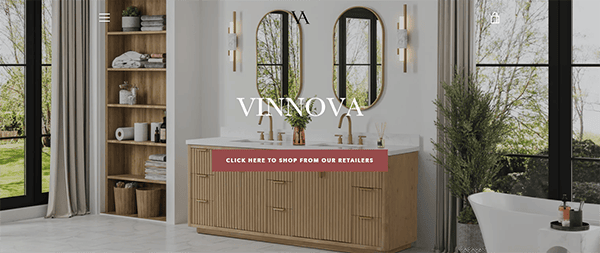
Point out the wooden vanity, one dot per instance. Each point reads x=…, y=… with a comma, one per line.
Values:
x=341, y=211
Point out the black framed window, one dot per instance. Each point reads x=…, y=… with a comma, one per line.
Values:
x=357, y=53
x=279, y=63
x=25, y=107
x=540, y=63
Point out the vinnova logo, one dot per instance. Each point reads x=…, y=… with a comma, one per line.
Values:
x=291, y=103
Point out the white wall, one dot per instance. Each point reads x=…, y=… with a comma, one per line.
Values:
x=190, y=94
x=406, y=104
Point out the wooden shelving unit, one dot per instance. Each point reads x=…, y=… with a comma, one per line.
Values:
x=125, y=159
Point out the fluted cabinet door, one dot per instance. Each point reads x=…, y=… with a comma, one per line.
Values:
x=253, y=203
x=336, y=192
x=228, y=200
x=309, y=195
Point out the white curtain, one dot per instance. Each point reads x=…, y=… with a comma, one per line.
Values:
x=456, y=28
x=69, y=190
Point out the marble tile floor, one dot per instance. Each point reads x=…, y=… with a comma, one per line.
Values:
x=105, y=233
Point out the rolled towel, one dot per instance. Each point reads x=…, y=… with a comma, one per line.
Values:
x=158, y=157
x=152, y=17
x=153, y=23
x=153, y=28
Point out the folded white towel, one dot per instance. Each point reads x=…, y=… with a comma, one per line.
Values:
x=153, y=23
x=152, y=17
x=155, y=171
x=156, y=177
x=129, y=59
x=156, y=60
x=158, y=157
x=156, y=164
x=153, y=28
x=154, y=65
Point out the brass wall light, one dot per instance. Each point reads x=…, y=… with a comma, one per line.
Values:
x=402, y=38
x=232, y=41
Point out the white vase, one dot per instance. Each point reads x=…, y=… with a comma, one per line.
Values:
x=130, y=23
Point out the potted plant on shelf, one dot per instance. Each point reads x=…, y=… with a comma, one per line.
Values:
x=130, y=19
x=472, y=130
x=298, y=121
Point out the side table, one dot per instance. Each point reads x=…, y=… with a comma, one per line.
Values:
x=581, y=241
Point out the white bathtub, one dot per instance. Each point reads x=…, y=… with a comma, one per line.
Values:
x=510, y=223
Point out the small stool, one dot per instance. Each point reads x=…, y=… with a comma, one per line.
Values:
x=580, y=241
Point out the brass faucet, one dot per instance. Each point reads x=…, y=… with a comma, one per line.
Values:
x=270, y=125
x=349, y=126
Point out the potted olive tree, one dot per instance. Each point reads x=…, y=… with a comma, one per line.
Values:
x=130, y=19
x=472, y=129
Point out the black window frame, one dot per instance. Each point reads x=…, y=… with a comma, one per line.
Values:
x=357, y=13
x=33, y=111
x=285, y=53
x=560, y=110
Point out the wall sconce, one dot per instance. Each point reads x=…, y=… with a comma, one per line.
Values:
x=402, y=38
x=232, y=41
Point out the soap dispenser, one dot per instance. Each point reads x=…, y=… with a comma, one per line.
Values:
x=124, y=93
x=563, y=210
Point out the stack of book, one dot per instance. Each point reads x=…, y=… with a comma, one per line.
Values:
x=157, y=61
x=156, y=167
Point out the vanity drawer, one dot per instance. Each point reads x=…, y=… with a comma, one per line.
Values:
x=281, y=220
x=200, y=160
x=202, y=186
x=366, y=230
x=203, y=212
x=367, y=201
x=280, y=193
x=368, y=179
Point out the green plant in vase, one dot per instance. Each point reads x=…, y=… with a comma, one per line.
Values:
x=299, y=120
x=472, y=130
x=130, y=19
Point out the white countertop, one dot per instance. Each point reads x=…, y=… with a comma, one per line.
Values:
x=234, y=142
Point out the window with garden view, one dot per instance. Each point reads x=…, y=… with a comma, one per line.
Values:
x=25, y=101
x=514, y=63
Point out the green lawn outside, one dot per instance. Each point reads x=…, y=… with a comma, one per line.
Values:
x=12, y=169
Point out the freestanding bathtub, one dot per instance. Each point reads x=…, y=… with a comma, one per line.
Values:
x=510, y=223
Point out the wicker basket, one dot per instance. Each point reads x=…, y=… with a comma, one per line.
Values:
x=125, y=201
x=148, y=202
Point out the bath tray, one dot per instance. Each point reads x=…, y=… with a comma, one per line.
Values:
x=558, y=226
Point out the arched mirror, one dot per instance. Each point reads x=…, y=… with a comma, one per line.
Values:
x=278, y=56
x=358, y=51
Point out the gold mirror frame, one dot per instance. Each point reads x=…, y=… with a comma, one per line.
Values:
x=382, y=56
x=301, y=72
